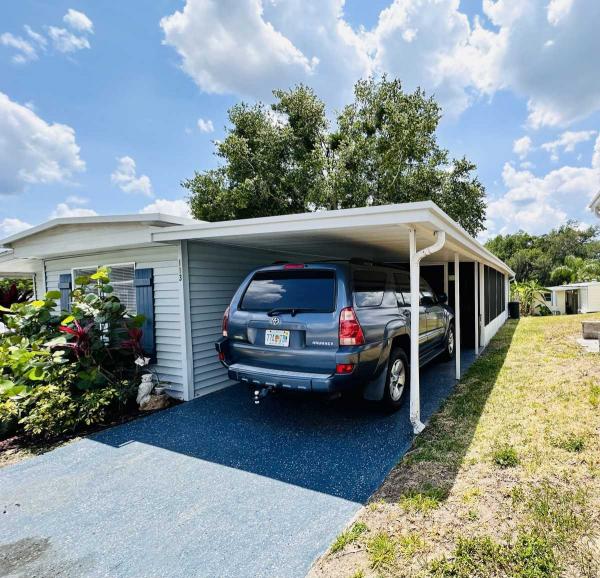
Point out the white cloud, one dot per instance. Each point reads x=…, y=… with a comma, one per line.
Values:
x=12, y=226
x=541, y=51
x=77, y=200
x=567, y=142
x=538, y=203
x=229, y=47
x=65, y=41
x=78, y=21
x=557, y=10
x=177, y=208
x=126, y=179
x=25, y=50
x=32, y=150
x=63, y=210
x=522, y=146
x=205, y=125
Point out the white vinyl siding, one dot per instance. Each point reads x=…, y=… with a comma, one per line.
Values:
x=215, y=273
x=164, y=261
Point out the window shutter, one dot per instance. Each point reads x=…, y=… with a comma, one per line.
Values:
x=144, y=296
x=64, y=286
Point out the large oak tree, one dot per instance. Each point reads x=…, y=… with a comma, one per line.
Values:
x=289, y=158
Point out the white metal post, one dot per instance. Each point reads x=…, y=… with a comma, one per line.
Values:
x=415, y=306
x=415, y=393
x=457, y=313
x=476, y=297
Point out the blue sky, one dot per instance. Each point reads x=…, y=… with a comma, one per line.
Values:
x=107, y=107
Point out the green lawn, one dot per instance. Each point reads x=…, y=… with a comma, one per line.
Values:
x=505, y=480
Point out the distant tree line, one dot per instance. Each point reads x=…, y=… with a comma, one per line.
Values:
x=568, y=254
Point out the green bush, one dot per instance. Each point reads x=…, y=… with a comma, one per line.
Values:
x=61, y=371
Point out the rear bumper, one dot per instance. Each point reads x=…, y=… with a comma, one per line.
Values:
x=257, y=376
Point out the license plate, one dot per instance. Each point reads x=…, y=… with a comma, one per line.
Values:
x=277, y=337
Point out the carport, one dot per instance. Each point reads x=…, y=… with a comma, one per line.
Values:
x=217, y=256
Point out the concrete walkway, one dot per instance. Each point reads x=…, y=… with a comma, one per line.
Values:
x=213, y=488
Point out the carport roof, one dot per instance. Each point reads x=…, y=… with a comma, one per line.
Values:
x=379, y=233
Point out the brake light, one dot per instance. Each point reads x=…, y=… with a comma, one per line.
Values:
x=351, y=332
x=225, y=322
x=294, y=266
x=344, y=368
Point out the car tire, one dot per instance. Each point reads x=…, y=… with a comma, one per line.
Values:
x=397, y=381
x=449, y=344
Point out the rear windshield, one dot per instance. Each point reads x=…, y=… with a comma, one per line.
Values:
x=303, y=289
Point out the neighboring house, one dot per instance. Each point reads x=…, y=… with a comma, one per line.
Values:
x=576, y=298
x=595, y=205
x=182, y=274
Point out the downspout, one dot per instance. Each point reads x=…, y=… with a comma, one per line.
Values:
x=415, y=261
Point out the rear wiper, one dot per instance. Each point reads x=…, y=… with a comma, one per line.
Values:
x=293, y=310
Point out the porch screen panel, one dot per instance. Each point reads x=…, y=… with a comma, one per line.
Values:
x=495, y=297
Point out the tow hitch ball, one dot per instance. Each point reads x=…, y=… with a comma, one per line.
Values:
x=261, y=393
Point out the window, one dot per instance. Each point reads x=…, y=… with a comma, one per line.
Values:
x=402, y=288
x=294, y=289
x=121, y=280
x=369, y=287
x=427, y=292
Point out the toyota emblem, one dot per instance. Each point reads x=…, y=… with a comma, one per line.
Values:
x=275, y=320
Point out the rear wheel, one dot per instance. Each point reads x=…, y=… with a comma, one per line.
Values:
x=397, y=380
x=449, y=344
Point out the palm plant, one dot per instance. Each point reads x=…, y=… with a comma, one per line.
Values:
x=530, y=294
x=576, y=269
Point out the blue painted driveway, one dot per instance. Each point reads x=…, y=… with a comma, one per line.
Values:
x=217, y=487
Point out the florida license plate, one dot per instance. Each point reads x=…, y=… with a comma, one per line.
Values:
x=277, y=337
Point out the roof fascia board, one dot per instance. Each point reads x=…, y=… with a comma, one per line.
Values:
x=142, y=218
x=422, y=213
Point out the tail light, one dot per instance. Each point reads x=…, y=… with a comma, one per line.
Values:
x=351, y=332
x=225, y=322
x=344, y=368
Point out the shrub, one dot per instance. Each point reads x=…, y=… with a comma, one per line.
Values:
x=60, y=371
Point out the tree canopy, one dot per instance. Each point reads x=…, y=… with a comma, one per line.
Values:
x=567, y=254
x=382, y=148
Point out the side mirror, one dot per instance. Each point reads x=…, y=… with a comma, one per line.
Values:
x=427, y=302
x=443, y=298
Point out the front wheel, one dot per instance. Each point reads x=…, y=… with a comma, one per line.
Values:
x=450, y=344
x=397, y=379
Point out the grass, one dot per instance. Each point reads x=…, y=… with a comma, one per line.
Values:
x=506, y=457
x=505, y=480
x=382, y=551
x=423, y=500
x=349, y=536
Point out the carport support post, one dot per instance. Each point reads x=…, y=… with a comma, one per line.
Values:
x=415, y=306
x=476, y=296
x=457, y=313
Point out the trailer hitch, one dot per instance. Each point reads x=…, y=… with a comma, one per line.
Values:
x=262, y=393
